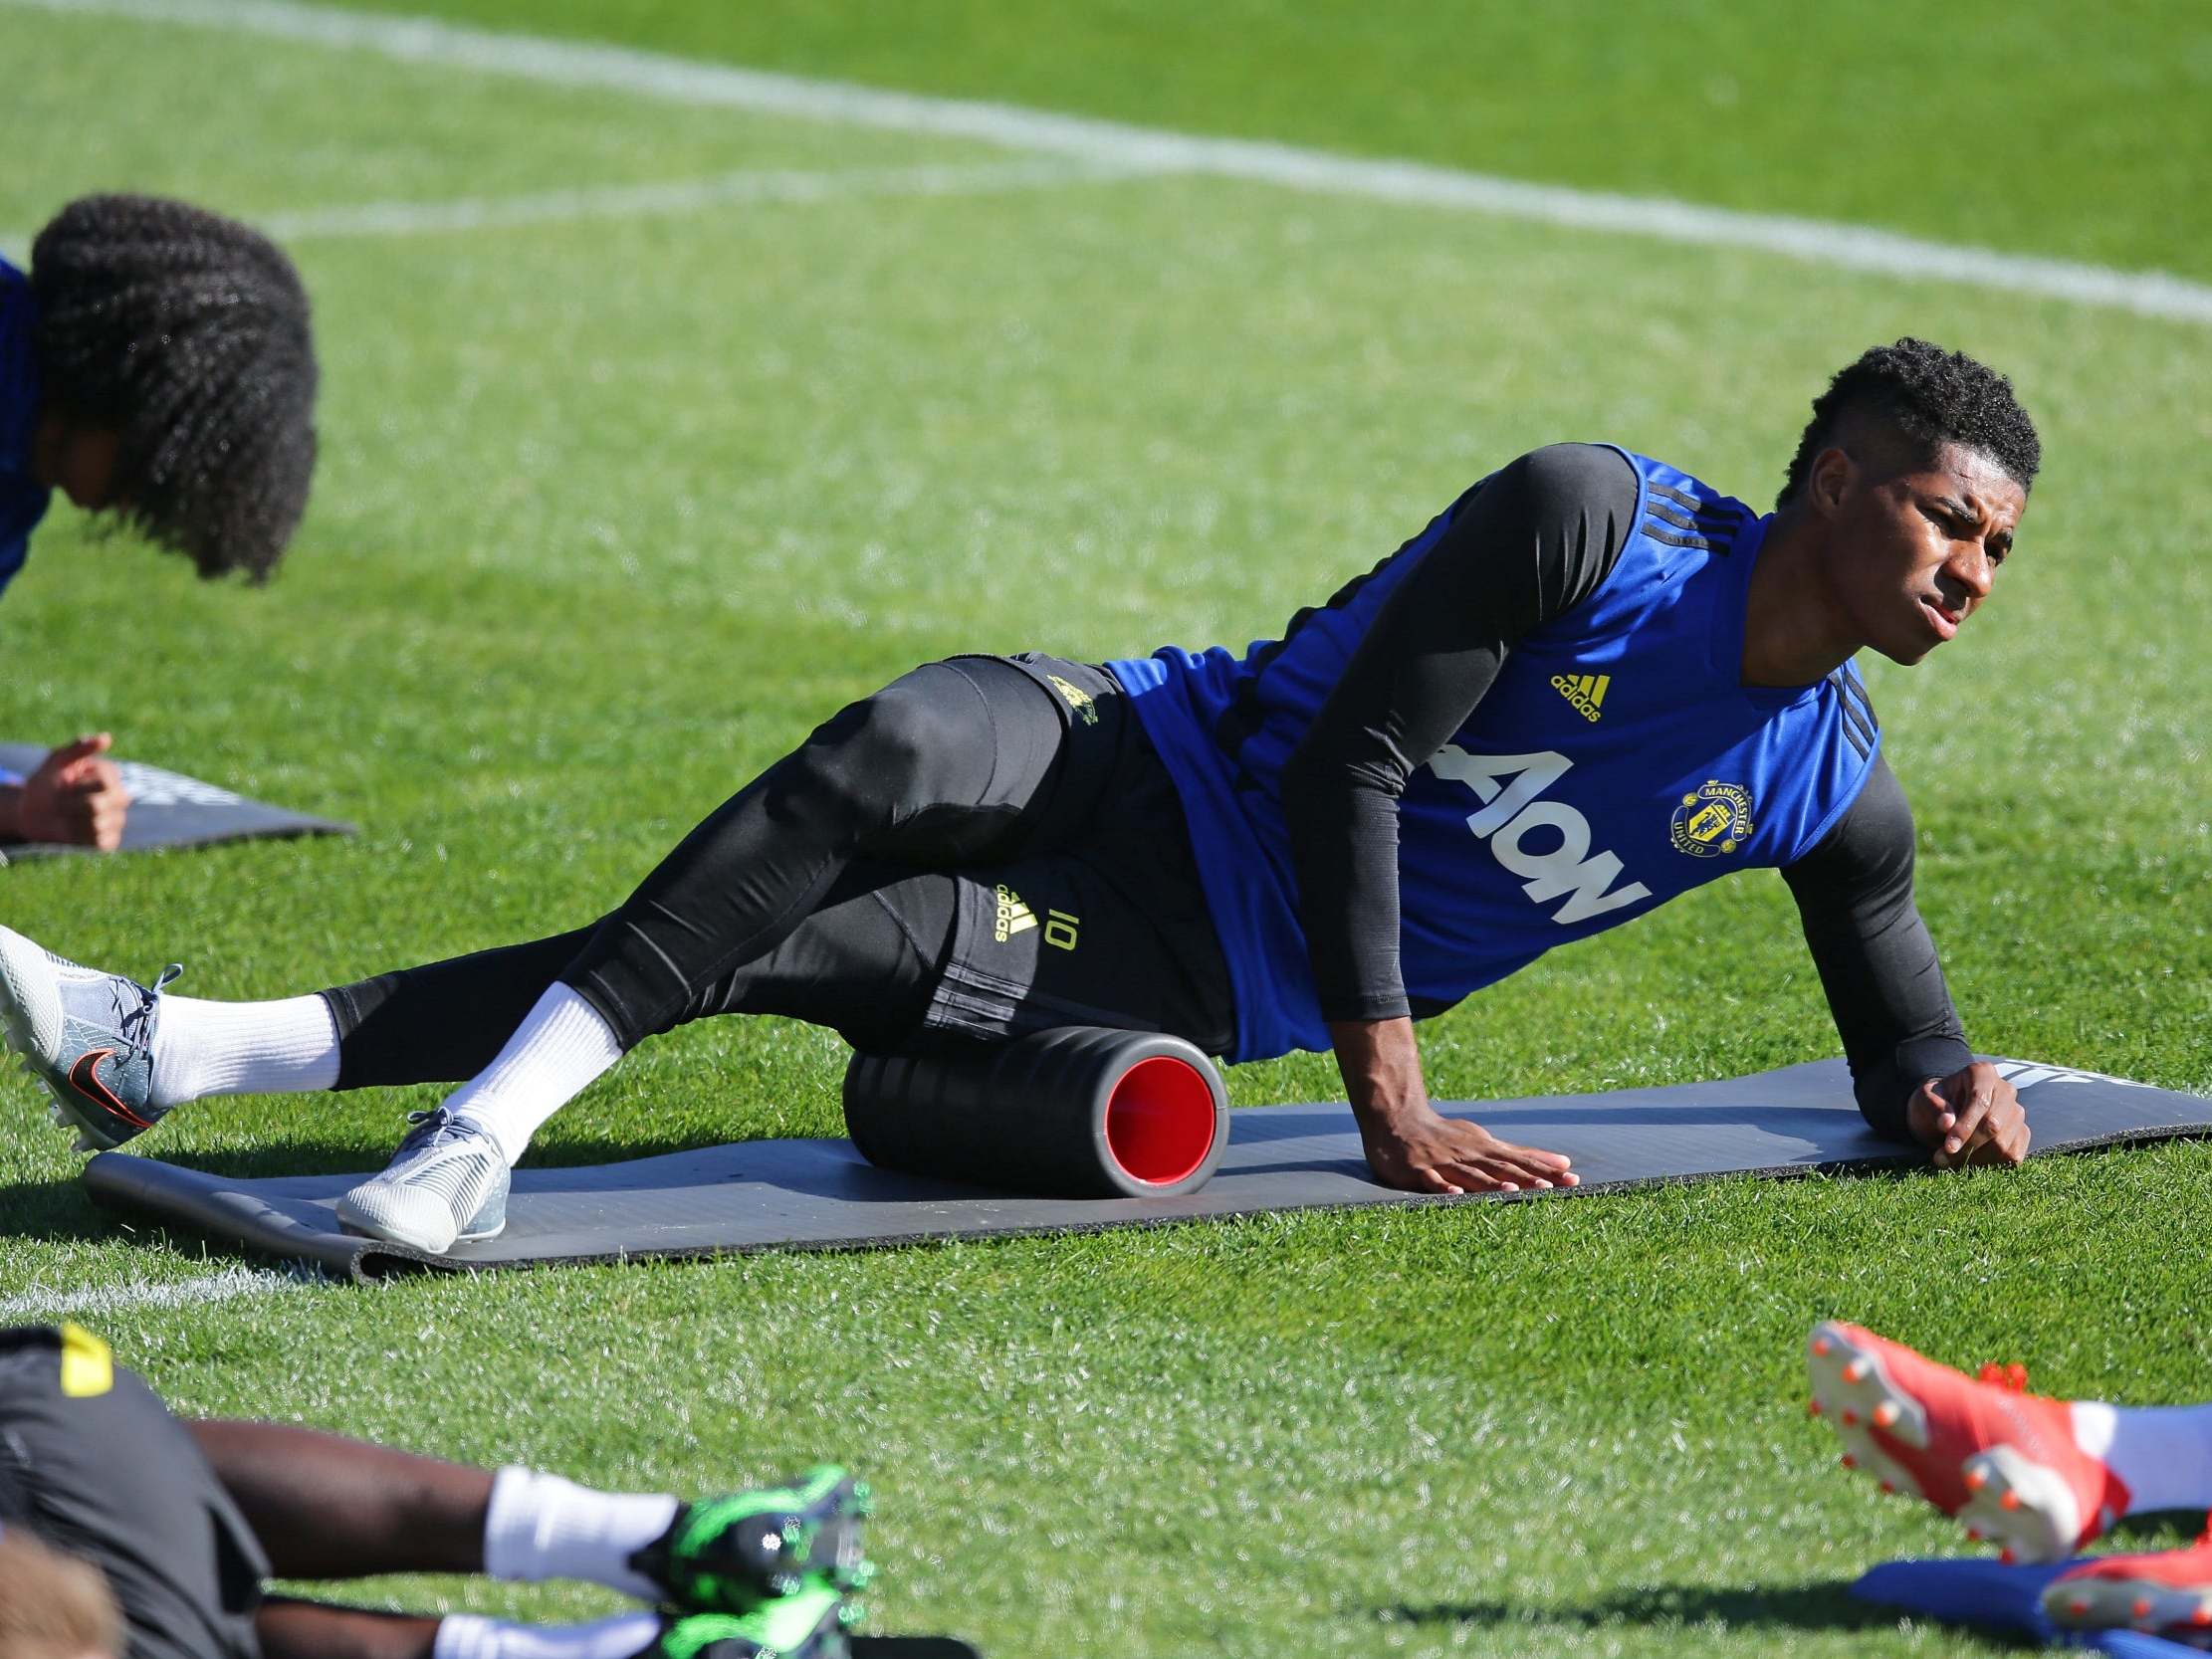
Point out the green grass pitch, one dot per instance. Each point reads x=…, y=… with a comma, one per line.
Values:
x=613, y=507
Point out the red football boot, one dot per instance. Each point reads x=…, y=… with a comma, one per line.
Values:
x=2169, y=1593
x=2002, y=1460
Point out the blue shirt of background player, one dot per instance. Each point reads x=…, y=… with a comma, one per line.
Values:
x=23, y=499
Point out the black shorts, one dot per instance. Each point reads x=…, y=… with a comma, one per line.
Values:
x=92, y=1464
x=1100, y=917
x=986, y=847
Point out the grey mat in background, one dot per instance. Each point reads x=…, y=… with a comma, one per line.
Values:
x=168, y=809
x=820, y=1194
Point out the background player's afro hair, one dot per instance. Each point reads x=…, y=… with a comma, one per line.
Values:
x=187, y=334
x=1930, y=397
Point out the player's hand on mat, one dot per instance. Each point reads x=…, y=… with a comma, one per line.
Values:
x=76, y=797
x=1409, y=1144
x=1430, y=1152
x=1971, y=1116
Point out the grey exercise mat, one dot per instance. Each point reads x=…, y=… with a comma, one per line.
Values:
x=168, y=809
x=820, y=1194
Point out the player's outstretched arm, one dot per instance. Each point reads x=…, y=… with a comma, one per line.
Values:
x=1528, y=545
x=1411, y=1145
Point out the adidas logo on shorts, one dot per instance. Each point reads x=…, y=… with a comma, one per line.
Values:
x=1013, y=916
x=1084, y=704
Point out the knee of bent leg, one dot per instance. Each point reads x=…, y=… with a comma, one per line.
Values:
x=889, y=746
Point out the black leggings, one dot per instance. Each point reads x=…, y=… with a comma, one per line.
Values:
x=838, y=887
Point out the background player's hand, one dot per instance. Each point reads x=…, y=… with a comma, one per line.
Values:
x=76, y=797
x=1435, y=1153
x=1971, y=1116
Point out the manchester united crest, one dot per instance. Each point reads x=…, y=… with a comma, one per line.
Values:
x=1715, y=819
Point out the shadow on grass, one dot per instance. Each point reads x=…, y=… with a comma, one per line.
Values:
x=1796, y=1607
x=59, y=1211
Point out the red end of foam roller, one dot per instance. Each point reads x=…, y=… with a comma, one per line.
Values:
x=1159, y=1121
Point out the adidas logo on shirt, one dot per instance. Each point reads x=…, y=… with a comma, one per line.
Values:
x=1585, y=690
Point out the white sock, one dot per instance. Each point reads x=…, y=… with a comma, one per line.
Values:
x=542, y=1527
x=560, y=1048
x=2162, y=1453
x=467, y=1636
x=242, y=1048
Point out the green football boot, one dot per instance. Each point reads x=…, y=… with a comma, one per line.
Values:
x=730, y=1554
x=809, y=1624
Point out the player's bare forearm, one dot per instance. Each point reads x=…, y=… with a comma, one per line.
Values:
x=1380, y=1061
x=1409, y=1144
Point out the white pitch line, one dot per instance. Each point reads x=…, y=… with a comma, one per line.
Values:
x=681, y=80
x=637, y=201
x=632, y=201
x=109, y=1299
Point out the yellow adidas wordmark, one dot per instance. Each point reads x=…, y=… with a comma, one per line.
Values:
x=1585, y=690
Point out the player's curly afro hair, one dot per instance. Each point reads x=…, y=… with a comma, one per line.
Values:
x=1930, y=397
x=187, y=334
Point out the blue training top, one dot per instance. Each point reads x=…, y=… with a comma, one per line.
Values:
x=23, y=499
x=1616, y=761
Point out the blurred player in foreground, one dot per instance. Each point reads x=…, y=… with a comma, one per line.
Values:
x=2037, y=1477
x=53, y=1606
x=186, y=1519
x=154, y=365
x=1593, y=682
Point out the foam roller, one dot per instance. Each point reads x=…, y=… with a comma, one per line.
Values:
x=1078, y=1113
